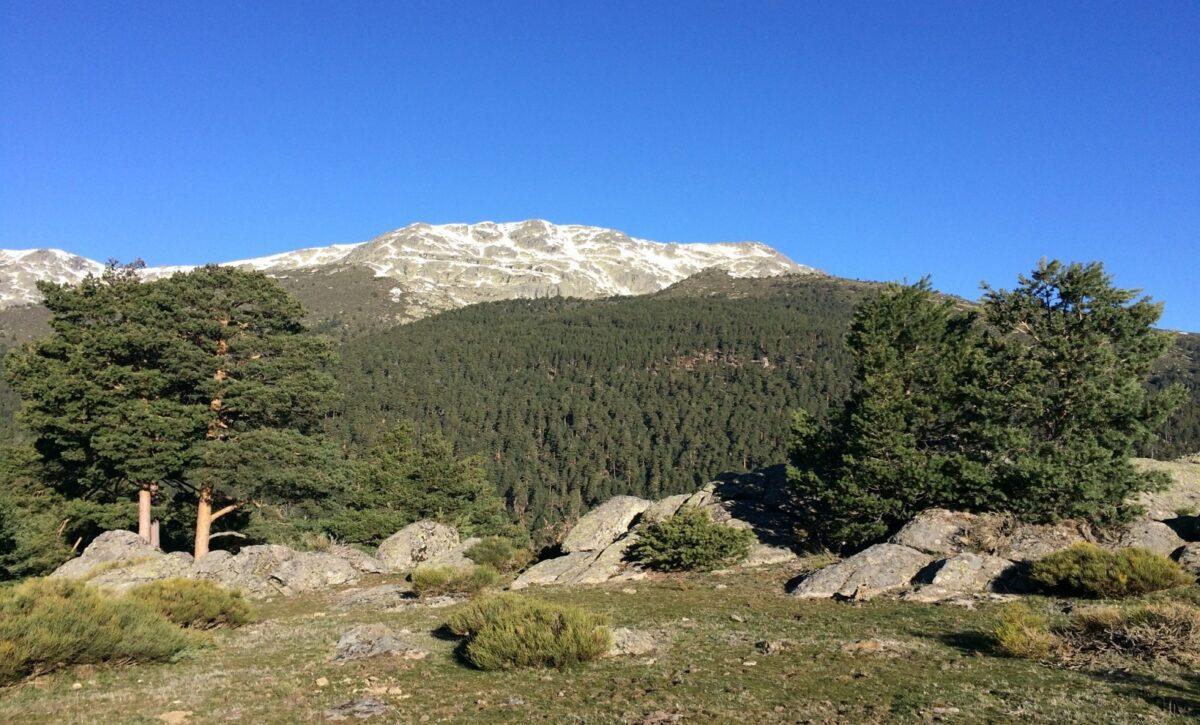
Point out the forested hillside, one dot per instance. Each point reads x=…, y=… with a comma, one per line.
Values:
x=572, y=402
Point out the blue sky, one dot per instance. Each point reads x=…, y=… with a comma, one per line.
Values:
x=873, y=140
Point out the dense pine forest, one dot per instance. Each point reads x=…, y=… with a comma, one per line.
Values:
x=571, y=401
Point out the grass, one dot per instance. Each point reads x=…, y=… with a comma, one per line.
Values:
x=267, y=672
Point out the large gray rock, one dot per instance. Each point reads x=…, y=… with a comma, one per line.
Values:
x=457, y=557
x=607, y=565
x=604, y=524
x=360, y=560
x=764, y=554
x=1181, y=497
x=176, y=565
x=1030, y=542
x=1153, y=535
x=108, y=550
x=417, y=543
x=271, y=570
x=937, y=531
x=632, y=642
x=374, y=640
x=1188, y=557
x=382, y=596
x=960, y=575
x=665, y=508
x=878, y=569
x=549, y=571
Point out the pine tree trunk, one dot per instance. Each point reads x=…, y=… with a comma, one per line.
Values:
x=203, y=522
x=154, y=535
x=145, y=497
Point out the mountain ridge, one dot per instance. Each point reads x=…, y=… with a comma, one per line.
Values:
x=445, y=266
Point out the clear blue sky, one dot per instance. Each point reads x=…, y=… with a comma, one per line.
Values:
x=873, y=140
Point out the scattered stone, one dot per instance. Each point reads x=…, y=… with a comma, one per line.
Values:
x=737, y=618
x=774, y=646
x=632, y=642
x=361, y=708
x=628, y=590
x=1153, y=535
x=883, y=647
x=76, y=685
x=601, y=526
x=417, y=543
x=961, y=574
x=322, y=682
x=175, y=717
x=872, y=571
x=374, y=640
x=383, y=596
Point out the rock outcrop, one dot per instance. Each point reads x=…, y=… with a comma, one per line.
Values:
x=961, y=575
x=417, y=543
x=601, y=526
x=1153, y=535
x=119, y=560
x=875, y=570
x=594, y=551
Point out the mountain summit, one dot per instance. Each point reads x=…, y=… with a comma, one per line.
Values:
x=439, y=267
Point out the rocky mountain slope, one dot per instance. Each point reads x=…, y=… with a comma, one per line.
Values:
x=430, y=268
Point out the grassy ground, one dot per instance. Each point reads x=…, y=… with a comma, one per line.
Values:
x=928, y=663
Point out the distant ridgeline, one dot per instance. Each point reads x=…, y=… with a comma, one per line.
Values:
x=570, y=401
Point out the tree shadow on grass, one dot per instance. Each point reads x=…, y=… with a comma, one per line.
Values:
x=1174, y=697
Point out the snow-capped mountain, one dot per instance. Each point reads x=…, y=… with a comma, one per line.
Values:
x=439, y=267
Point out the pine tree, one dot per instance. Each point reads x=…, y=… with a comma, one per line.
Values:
x=893, y=449
x=1064, y=404
x=98, y=394
x=251, y=364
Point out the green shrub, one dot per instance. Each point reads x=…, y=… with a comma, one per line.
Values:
x=50, y=623
x=1089, y=571
x=1024, y=633
x=1147, y=631
x=438, y=580
x=508, y=631
x=499, y=553
x=194, y=604
x=690, y=541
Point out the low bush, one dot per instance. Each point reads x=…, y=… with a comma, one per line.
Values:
x=1025, y=633
x=690, y=541
x=1147, y=631
x=499, y=553
x=194, y=604
x=508, y=631
x=437, y=580
x=1089, y=571
x=51, y=623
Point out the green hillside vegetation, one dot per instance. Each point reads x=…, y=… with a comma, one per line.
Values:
x=571, y=402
